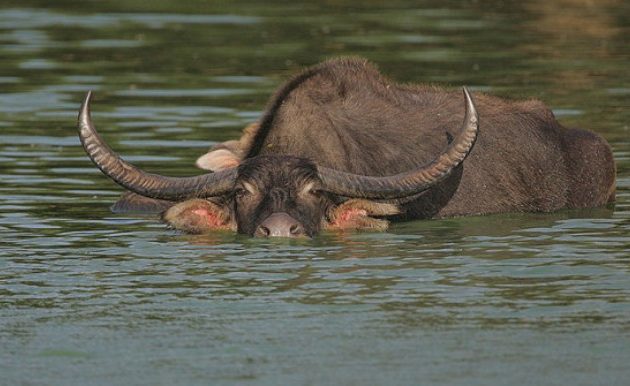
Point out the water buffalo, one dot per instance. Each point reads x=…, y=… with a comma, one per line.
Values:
x=340, y=146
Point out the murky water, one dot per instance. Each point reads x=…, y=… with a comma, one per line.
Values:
x=88, y=297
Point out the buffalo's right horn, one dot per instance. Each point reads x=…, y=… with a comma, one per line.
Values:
x=412, y=182
x=138, y=181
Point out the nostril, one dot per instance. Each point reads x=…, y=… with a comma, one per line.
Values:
x=264, y=231
x=295, y=229
x=280, y=225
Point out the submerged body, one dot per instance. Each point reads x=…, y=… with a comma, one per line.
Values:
x=349, y=117
x=344, y=116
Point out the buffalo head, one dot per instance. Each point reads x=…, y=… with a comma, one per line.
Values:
x=278, y=195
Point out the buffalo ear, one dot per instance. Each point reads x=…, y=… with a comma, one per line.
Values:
x=219, y=159
x=228, y=154
x=199, y=216
x=134, y=203
x=357, y=214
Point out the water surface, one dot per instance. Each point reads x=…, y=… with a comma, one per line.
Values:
x=89, y=297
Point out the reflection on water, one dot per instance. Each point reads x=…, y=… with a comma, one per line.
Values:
x=89, y=297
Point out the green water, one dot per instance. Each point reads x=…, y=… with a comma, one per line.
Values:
x=92, y=298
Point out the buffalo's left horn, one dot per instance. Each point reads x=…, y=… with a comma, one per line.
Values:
x=138, y=181
x=411, y=182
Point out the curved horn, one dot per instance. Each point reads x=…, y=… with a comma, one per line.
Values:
x=138, y=181
x=412, y=182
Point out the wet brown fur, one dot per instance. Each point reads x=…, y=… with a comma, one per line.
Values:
x=344, y=114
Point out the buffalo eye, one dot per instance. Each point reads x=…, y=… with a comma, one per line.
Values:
x=312, y=190
x=315, y=192
x=243, y=190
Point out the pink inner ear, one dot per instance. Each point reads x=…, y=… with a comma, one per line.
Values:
x=201, y=212
x=346, y=217
x=209, y=218
x=351, y=213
